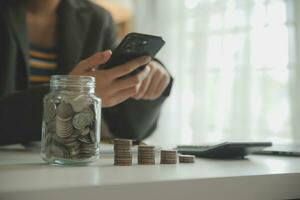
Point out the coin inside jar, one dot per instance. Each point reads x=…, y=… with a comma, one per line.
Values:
x=64, y=110
x=83, y=119
x=64, y=128
x=80, y=102
x=85, y=131
x=50, y=111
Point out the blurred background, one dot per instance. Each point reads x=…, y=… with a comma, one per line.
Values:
x=235, y=65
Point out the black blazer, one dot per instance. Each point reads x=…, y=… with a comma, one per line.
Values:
x=83, y=29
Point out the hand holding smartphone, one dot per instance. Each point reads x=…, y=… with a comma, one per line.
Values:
x=133, y=46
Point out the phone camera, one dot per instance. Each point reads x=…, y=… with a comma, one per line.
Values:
x=136, y=46
x=145, y=42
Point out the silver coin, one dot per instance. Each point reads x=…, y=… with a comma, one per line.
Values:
x=83, y=119
x=64, y=128
x=63, y=119
x=85, y=139
x=80, y=102
x=64, y=110
x=76, y=132
x=49, y=111
x=88, y=149
x=93, y=136
x=85, y=131
x=59, y=151
x=51, y=127
x=84, y=146
x=73, y=146
x=74, y=153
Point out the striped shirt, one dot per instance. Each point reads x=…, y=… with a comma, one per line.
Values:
x=43, y=64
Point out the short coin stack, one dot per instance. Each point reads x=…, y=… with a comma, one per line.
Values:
x=122, y=151
x=186, y=158
x=146, y=155
x=168, y=157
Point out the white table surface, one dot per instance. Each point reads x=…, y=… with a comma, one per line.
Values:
x=23, y=175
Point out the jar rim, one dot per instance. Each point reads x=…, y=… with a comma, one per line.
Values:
x=72, y=80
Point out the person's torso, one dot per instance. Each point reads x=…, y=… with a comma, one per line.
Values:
x=82, y=29
x=42, y=63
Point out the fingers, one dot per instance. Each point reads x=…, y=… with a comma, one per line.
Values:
x=160, y=88
x=94, y=60
x=135, y=80
x=121, y=96
x=128, y=67
x=122, y=89
x=154, y=83
x=144, y=86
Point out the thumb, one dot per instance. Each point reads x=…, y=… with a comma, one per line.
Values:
x=94, y=60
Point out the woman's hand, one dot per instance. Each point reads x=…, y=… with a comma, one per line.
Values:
x=155, y=83
x=109, y=87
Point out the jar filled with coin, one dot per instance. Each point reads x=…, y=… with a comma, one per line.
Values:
x=71, y=121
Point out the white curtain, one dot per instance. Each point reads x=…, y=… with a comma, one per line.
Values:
x=234, y=64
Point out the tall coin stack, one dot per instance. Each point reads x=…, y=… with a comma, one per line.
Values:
x=168, y=157
x=122, y=152
x=146, y=155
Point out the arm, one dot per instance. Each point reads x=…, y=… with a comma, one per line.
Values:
x=135, y=119
x=21, y=116
x=20, y=112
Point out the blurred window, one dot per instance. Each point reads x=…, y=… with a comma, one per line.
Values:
x=232, y=61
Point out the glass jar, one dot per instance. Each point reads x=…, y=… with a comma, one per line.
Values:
x=71, y=121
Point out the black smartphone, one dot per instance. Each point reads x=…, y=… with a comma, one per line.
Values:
x=132, y=46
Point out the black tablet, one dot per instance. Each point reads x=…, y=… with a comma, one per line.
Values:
x=226, y=150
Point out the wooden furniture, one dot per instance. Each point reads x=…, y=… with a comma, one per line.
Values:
x=122, y=16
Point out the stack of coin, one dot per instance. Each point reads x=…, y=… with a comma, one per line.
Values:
x=122, y=151
x=186, y=158
x=168, y=157
x=55, y=149
x=146, y=155
x=50, y=107
x=88, y=149
x=64, y=126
